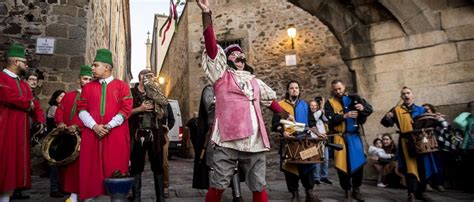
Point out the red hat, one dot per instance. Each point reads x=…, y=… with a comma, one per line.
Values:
x=231, y=48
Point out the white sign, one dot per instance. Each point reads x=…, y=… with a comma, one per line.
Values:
x=290, y=60
x=45, y=45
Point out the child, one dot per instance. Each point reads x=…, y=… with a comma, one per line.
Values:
x=381, y=158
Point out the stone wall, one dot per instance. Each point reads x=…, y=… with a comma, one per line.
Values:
x=71, y=23
x=262, y=27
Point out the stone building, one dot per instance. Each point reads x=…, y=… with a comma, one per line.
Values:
x=79, y=28
x=377, y=47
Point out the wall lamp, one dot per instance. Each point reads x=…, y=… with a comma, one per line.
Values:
x=292, y=34
x=161, y=80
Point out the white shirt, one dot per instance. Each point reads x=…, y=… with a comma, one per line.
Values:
x=10, y=73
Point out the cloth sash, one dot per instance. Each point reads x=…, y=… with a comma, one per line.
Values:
x=351, y=157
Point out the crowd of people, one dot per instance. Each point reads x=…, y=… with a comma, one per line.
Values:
x=119, y=126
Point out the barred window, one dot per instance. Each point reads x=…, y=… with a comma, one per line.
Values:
x=224, y=44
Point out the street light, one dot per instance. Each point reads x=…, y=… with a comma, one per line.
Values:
x=292, y=34
x=161, y=80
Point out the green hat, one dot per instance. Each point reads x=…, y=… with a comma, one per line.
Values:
x=16, y=51
x=103, y=55
x=86, y=70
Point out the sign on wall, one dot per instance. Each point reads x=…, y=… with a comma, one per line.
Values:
x=45, y=45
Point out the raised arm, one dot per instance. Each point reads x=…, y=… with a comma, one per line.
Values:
x=209, y=37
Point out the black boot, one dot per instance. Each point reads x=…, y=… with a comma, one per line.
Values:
x=356, y=194
x=137, y=188
x=296, y=196
x=236, y=192
x=159, y=187
x=347, y=195
x=424, y=197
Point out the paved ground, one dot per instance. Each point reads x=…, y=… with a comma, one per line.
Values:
x=181, y=177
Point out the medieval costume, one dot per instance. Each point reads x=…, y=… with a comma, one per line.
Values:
x=147, y=135
x=16, y=102
x=417, y=168
x=349, y=161
x=236, y=137
x=295, y=172
x=106, y=101
x=205, y=123
x=66, y=113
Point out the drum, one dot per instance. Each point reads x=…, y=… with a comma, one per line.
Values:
x=60, y=147
x=302, y=151
x=423, y=137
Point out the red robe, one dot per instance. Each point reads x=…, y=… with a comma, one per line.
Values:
x=15, y=162
x=100, y=157
x=67, y=113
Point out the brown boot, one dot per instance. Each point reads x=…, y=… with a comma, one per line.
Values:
x=356, y=194
x=310, y=197
x=411, y=197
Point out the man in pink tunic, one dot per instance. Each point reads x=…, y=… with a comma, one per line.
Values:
x=16, y=103
x=103, y=107
x=66, y=119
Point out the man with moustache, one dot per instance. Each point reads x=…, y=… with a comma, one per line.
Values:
x=66, y=119
x=16, y=103
x=104, y=106
x=346, y=113
x=416, y=169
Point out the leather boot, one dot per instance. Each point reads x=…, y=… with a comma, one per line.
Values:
x=295, y=197
x=137, y=188
x=159, y=187
x=347, y=195
x=236, y=191
x=356, y=194
x=424, y=197
x=310, y=197
x=411, y=197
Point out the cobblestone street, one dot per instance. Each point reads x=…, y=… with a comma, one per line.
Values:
x=181, y=178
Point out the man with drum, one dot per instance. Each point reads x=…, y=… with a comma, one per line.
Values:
x=346, y=113
x=147, y=135
x=16, y=103
x=299, y=109
x=66, y=119
x=104, y=106
x=417, y=169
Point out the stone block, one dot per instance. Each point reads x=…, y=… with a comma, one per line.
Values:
x=385, y=30
x=422, y=22
x=460, y=33
x=410, y=42
x=33, y=30
x=52, y=78
x=445, y=74
x=78, y=3
x=48, y=88
x=466, y=50
x=457, y=17
x=56, y=30
x=437, y=4
x=73, y=86
x=458, y=3
x=440, y=54
x=81, y=13
x=64, y=10
x=77, y=32
x=54, y=61
x=70, y=46
x=71, y=20
x=455, y=93
x=12, y=29
x=70, y=76
x=3, y=9
x=76, y=63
